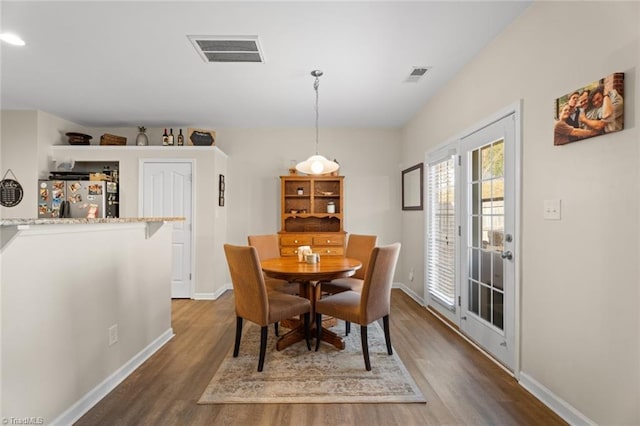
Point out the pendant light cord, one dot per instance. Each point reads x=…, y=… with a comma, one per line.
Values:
x=316, y=84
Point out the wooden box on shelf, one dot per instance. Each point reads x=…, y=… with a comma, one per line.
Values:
x=312, y=209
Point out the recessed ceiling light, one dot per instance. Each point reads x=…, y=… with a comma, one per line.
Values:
x=12, y=39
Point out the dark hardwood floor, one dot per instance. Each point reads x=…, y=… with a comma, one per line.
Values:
x=462, y=386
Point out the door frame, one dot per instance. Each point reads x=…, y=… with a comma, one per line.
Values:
x=454, y=143
x=192, y=163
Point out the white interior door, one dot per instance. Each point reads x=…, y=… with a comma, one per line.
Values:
x=487, y=264
x=167, y=192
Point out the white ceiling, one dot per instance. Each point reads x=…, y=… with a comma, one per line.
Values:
x=121, y=63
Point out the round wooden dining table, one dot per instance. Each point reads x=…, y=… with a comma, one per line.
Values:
x=309, y=276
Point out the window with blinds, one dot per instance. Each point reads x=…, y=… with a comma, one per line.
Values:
x=441, y=231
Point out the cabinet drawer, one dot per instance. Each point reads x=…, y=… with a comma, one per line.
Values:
x=328, y=251
x=288, y=251
x=295, y=240
x=328, y=240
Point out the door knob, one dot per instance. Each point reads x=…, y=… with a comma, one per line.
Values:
x=506, y=255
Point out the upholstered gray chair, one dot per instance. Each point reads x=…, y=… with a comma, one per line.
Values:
x=255, y=303
x=372, y=304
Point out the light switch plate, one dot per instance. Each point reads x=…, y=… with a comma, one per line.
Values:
x=552, y=209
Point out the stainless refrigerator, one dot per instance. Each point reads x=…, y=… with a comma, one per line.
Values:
x=77, y=199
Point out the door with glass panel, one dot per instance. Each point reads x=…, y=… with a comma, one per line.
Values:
x=487, y=239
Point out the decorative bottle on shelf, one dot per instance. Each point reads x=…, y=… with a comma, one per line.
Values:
x=142, y=139
x=331, y=207
x=165, y=138
x=180, y=138
x=170, y=140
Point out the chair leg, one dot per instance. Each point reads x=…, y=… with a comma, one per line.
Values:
x=236, y=348
x=365, y=347
x=264, y=331
x=387, y=334
x=307, y=334
x=318, y=330
x=347, y=328
x=275, y=327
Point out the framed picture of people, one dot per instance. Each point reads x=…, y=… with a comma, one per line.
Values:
x=593, y=110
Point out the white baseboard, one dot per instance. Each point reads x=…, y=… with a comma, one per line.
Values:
x=214, y=295
x=412, y=294
x=551, y=400
x=77, y=410
x=548, y=398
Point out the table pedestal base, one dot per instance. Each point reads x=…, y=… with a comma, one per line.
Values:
x=297, y=334
x=309, y=290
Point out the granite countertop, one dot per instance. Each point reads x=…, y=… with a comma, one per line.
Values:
x=85, y=221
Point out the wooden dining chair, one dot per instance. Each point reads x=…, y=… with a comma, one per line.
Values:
x=268, y=248
x=358, y=247
x=372, y=304
x=255, y=303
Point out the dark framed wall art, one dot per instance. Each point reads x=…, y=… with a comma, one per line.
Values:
x=412, y=187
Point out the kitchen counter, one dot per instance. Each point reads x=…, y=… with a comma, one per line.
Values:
x=84, y=303
x=84, y=221
x=10, y=228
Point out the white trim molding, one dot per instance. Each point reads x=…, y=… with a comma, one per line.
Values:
x=77, y=410
x=551, y=400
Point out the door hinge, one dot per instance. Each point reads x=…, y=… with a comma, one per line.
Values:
x=459, y=231
x=189, y=276
x=459, y=301
x=459, y=160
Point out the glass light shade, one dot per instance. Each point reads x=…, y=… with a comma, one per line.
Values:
x=12, y=39
x=317, y=165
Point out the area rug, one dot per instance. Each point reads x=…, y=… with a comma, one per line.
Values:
x=296, y=375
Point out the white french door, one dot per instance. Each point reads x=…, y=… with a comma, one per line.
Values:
x=167, y=192
x=487, y=267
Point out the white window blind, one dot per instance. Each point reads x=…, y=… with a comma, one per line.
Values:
x=441, y=237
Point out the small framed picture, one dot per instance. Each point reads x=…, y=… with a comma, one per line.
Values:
x=221, y=190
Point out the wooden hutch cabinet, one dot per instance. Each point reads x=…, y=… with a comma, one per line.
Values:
x=312, y=209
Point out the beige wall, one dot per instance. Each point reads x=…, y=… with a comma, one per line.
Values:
x=18, y=152
x=251, y=159
x=369, y=160
x=27, y=137
x=63, y=286
x=580, y=331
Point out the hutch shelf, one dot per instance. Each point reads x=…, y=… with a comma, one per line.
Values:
x=312, y=209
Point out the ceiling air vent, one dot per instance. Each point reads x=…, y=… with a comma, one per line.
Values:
x=228, y=48
x=416, y=74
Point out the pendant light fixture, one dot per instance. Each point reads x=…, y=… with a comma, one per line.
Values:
x=317, y=164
